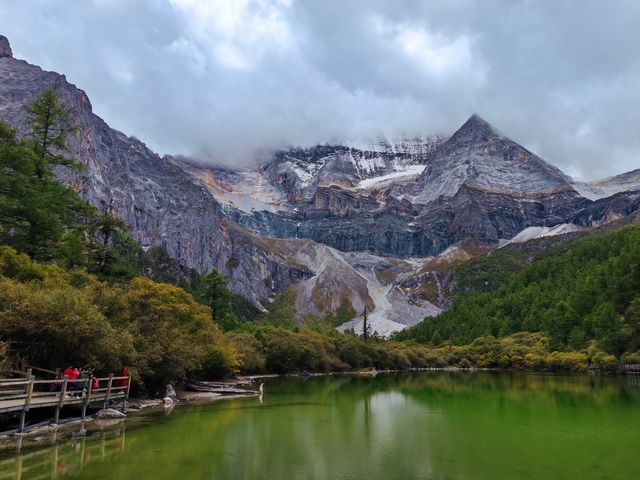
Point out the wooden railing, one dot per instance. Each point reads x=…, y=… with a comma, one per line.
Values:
x=22, y=394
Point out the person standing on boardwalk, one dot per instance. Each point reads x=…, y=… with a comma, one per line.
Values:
x=125, y=373
x=68, y=372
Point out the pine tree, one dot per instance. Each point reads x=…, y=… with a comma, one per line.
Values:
x=366, y=328
x=217, y=296
x=50, y=124
x=35, y=208
x=107, y=226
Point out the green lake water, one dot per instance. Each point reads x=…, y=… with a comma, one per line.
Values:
x=426, y=425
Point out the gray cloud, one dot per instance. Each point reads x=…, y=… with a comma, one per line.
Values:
x=227, y=81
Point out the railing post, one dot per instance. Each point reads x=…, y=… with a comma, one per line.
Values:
x=108, y=397
x=123, y=433
x=87, y=398
x=126, y=395
x=20, y=363
x=27, y=402
x=63, y=393
x=82, y=453
x=54, y=461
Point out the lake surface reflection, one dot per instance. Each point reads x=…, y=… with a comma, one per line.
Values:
x=431, y=425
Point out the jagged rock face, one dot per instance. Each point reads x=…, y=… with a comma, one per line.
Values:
x=607, y=210
x=401, y=231
x=290, y=178
x=299, y=173
x=5, y=48
x=154, y=196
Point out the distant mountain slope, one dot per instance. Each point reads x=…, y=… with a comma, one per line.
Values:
x=607, y=187
x=358, y=280
x=291, y=177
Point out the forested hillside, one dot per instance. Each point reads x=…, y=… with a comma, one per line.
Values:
x=589, y=293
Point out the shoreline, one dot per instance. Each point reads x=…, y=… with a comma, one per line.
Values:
x=451, y=369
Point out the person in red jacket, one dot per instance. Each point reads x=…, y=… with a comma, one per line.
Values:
x=72, y=374
x=125, y=373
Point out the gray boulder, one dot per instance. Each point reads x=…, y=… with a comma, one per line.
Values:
x=110, y=413
x=170, y=393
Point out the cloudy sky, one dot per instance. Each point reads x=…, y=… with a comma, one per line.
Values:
x=228, y=80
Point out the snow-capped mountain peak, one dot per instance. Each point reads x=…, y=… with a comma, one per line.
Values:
x=477, y=156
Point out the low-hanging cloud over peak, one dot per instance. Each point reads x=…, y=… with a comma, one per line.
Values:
x=227, y=81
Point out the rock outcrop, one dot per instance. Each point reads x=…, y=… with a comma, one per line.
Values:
x=5, y=48
x=170, y=393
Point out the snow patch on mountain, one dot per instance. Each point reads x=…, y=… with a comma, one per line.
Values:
x=305, y=171
x=418, y=146
x=539, y=232
x=366, y=165
x=402, y=174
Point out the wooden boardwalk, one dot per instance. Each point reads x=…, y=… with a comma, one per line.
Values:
x=23, y=394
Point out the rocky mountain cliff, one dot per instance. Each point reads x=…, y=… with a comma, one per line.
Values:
x=373, y=224
x=153, y=195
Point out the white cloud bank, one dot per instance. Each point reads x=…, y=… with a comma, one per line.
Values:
x=229, y=81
